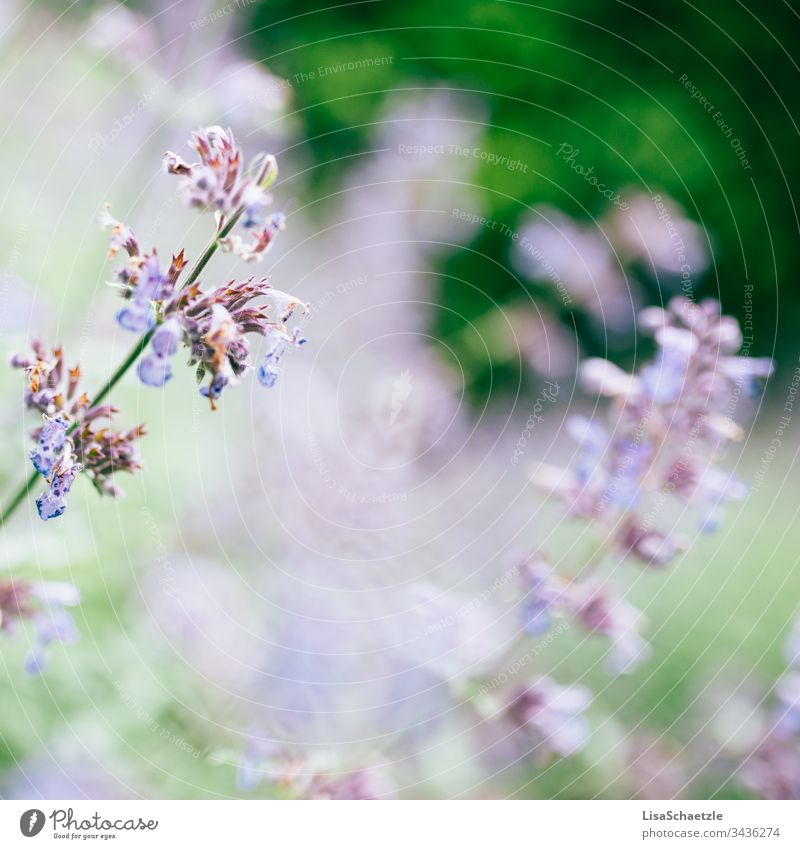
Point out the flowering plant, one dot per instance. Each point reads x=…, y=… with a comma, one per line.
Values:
x=168, y=311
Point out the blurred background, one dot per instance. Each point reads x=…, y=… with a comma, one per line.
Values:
x=479, y=195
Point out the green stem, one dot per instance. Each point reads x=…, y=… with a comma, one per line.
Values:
x=134, y=354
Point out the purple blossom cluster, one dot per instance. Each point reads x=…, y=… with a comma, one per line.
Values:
x=71, y=438
x=660, y=442
x=301, y=777
x=666, y=429
x=44, y=605
x=213, y=324
x=772, y=768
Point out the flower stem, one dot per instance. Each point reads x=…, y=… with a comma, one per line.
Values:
x=134, y=354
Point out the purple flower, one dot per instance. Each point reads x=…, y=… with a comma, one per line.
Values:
x=542, y=593
x=52, y=437
x=150, y=285
x=217, y=181
x=552, y=714
x=52, y=503
x=619, y=622
x=269, y=370
x=788, y=713
x=43, y=605
x=155, y=369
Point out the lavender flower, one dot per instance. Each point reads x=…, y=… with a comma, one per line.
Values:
x=551, y=715
x=141, y=281
x=44, y=605
x=155, y=369
x=70, y=441
x=669, y=421
x=591, y=607
x=52, y=388
x=52, y=437
x=215, y=326
x=217, y=180
x=52, y=503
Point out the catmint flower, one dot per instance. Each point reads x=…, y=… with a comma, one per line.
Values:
x=215, y=326
x=52, y=388
x=668, y=424
x=543, y=592
x=263, y=239
x=52, y=503
x=217, y=181
x=155, y=369
x=141, y=281
x=51, y=439
x=618, y=621
x=552, y=715
x=70, y=440
x=269, y=370
x=44, y=605
x=104, y=452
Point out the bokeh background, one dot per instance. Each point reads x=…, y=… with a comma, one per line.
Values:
x=283, y=566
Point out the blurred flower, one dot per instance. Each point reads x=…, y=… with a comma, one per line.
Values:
x=593, y=608
x=308, y=776
x=656, y=232
x=668, y=424
x=618, y=621
x=551, y=714
x=43, y=604
x=579, y=263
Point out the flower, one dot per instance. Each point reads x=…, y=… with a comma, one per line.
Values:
x=543, y=593
x=617, y=620
x=51, y=439
x=551, y=714
x=217, y=181
x=155, y=369
x=141, y=281
x=215, y=325
x=52, y=503
x=264, y=238
x=666, y=428
x=70, y=441
x=52, y=388
x=44, y=604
